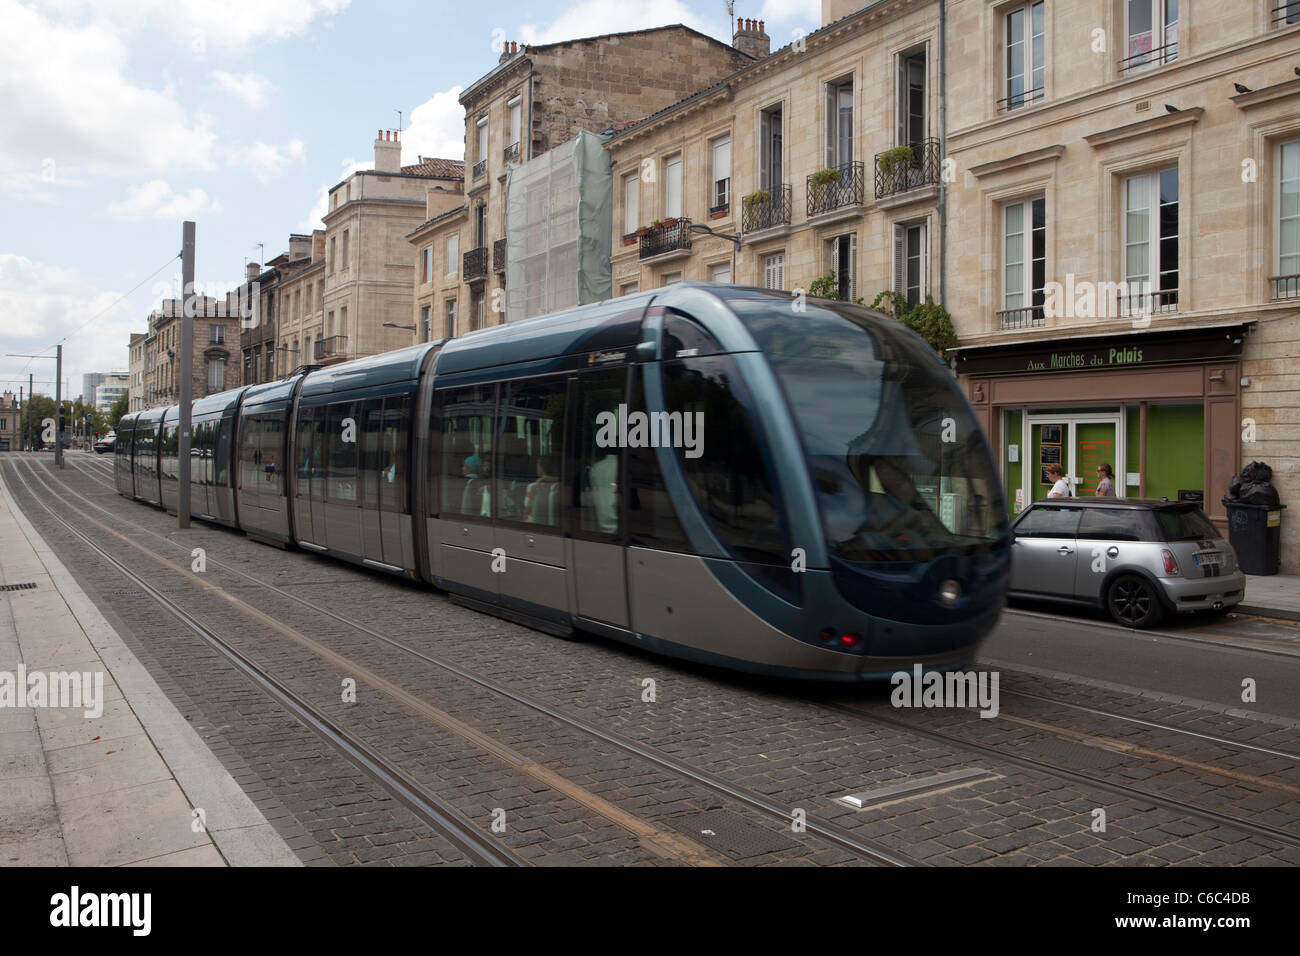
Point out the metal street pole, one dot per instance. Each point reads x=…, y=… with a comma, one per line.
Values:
x=27, y=424
x=58, y=407
x=186, y=369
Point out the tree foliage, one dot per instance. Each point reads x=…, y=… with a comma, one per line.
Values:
x=928, y=319
x=119, y=409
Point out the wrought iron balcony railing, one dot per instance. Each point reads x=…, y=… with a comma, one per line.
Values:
x=836, y=192
x=499, y=256
x=1286, y=287
x=1161, y=54
x=480, y=168
x=665, y=238
x=334, y=345
x=1027, y=318
x=898, y=172
x=510, y=154
x=476, y=263
x=1017, y=100
x=766, y=212
x=1148, y=303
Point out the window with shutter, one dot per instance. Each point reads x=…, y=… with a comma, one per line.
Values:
x=721, y=173
x=673, y=187
x=774, y=271
x=631, y=204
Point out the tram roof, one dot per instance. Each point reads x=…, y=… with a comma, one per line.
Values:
x=373, y=371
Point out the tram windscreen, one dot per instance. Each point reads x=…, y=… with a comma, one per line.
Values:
x=899, y=462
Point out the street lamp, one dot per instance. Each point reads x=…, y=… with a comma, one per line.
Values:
x=735, y=239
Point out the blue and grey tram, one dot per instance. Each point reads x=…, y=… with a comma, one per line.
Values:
x=717, y=473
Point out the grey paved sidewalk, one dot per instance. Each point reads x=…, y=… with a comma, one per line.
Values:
x=1276, y=594
x=114, y=779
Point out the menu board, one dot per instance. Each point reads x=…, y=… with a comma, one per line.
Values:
x=1092, y=454
x=1049, y=451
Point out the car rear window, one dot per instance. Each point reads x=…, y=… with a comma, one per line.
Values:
x=1048, y=521
x=1185, y=524
x=1115, y=524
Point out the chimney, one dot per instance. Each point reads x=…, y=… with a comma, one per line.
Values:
x=299, y=246
x=317, y=245
x=751, y=38
x=254, y=270
x=388, y=152
x=508, y=49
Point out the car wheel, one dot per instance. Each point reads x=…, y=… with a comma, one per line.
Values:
x=1133, y=602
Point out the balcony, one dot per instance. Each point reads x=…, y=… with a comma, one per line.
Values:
x=499, y=256
x=1157, y=302
x=1286, y=287
x=839, y=190
x=1017, y=100
x=1144, y=58
x=907, y=167
x=1287, y=13
x=510, y=154
x=480, y=168
x=331, y=347
x=766, y=209
x=1029, y=318
x=476, y=263
x=666, y=238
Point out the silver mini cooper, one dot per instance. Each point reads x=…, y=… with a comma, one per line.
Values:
x=1137, y=558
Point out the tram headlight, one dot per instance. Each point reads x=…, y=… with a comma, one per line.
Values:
x=949, y=592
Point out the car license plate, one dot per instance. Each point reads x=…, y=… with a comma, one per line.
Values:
x=1206, y=560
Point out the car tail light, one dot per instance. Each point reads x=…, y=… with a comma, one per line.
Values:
x=1171, y=566
x=850, y=641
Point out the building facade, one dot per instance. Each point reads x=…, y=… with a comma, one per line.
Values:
x=1123, y=243
x=214, y=367
x=367, y=270
x=11, y=425
x=110, y=388
x=536, y=98
x=821, y=160
x=135, y=371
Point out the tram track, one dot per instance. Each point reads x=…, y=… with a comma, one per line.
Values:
x=827, y=832
x=1061, y=772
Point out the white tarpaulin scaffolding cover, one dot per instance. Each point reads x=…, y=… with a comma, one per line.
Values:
x=559, y=210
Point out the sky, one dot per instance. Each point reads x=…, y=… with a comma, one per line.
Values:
x=119, y=119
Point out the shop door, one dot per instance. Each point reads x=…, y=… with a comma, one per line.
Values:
x=1078, y=443
x=1094, y=444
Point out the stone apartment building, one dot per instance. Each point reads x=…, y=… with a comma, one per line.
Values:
x=135, y=372
x=10, y=423
x=536, y=98
x=792, y=156
x=1123, y=242
x=272, y=302
x=216, y=332
x=366, y=306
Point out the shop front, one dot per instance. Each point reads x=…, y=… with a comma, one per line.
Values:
x=1162, y=409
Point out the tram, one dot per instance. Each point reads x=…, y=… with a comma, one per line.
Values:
x=717, y=473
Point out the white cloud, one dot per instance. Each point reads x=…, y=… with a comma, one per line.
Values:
x=43, y=303
x=251, y=88
x=66, y=99
x=205, y=24
x=315, y=218
x=266, y=160
x=596, y=17
x=437, y=128
x=155, y=199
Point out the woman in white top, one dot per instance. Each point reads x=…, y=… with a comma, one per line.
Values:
x=1060, y=488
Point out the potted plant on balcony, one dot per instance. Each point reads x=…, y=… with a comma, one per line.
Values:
x=820, y=183
x=668, y=223
x=891, y=160
x=642, y=231
x=757, y=198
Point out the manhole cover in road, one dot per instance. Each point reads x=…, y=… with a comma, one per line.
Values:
x=730, y=834
x=16, y=587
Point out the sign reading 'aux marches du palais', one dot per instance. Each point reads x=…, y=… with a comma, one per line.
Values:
x=1096, y=353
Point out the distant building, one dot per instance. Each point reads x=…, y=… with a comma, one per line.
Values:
x=10, y=423
x=135, y=372
x=216, y=330
x=109, y=390
x=89, y=382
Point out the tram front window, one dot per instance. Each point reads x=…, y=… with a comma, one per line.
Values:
x=899, y=462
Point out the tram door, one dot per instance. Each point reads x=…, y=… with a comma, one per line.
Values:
x=307, y=449
x=595, y=483
x=342, y=505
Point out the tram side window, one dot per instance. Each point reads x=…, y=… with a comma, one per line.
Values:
x=724, y=462
x=652, y=519
x=198, y=460
x=222, y=451
x=341, y=452
x=369, y=425
x=303, y=448
x=170, y=450
x=596, y=483
x=260, y=451
x=392, y=454
x=467, y=450
x=530, y=447
x=144, y=450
